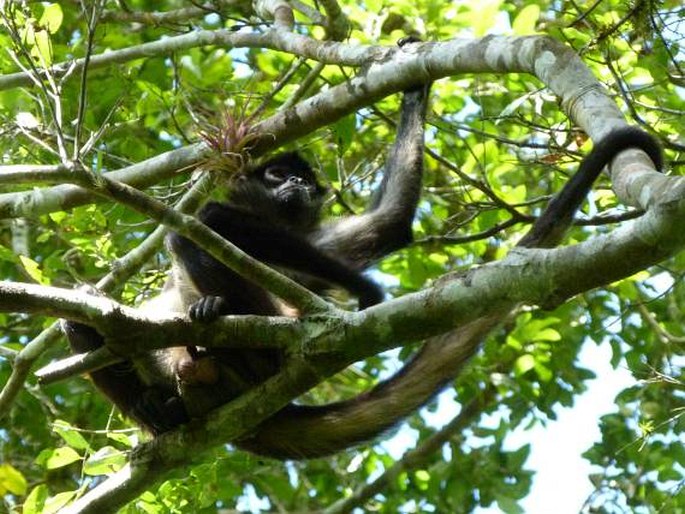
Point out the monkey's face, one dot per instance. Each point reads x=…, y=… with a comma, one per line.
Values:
x=295, y=194
x=284, y=190
x=284, y=197
x=290, y=188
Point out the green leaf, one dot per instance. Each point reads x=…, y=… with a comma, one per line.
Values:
x=483, y=16
x=70, y=435
x=57, y=502
x=524, y=364
x=33, y=269
x=58, y=216
x=508, y=505
x=548, y=334
x=52, y=18
x=57, y=457
x=544, y=373
x=126, y=439
x=526, y=20
x=42, y=49
x=668, y=474
x=517, y=459
x=105, y=461
x=374, y=5
x=7, y=255
x=422, y=475
x=12, y=481
x=344, y=132
x=578, y=37
x=35, y=501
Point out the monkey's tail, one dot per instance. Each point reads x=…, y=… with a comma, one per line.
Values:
x=549, y=228
x=305, y=432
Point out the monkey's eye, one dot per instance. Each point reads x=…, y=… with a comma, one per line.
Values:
x=277, y=175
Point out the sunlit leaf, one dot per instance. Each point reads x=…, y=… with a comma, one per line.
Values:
x=32, y=268
x=52, y=17
x=105, y=461
x=526, y=20
x=70, y=435
x=524, y=364
x=35, y=501
x=12, y=481
x=57, y=457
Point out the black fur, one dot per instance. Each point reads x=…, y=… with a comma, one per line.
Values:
x=270, y=212
x=267, y=242
x=288, y=234
x=556, y=218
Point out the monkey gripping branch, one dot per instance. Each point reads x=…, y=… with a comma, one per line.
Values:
x=453, y=315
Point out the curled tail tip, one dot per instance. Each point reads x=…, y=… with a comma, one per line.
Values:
x=631, y=136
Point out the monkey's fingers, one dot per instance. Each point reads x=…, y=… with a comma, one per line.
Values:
x=207, y=309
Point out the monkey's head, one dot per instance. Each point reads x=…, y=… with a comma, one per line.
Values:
x=284, y=189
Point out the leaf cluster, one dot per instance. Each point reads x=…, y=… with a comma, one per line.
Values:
x=498, y=148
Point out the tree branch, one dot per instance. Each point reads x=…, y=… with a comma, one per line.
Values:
x=121, y=271
x=556, y=65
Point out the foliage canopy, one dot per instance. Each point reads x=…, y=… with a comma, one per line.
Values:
x=498, y=147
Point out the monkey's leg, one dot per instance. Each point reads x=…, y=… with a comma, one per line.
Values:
x=154, y=407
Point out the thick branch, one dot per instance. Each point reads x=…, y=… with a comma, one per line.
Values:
x=555, y=64
x=118, y=322
x=65, y=197
x=531, y=276
x=328, y=52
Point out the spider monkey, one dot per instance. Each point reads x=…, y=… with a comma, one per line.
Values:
x=300, y=431
x=273, y=213
x=146, y=388
x=269, y=213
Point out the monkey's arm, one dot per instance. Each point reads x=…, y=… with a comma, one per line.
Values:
x=266, y=243
x=387, y=224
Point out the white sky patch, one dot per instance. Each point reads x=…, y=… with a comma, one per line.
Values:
x=26, y=120
x=561, y=483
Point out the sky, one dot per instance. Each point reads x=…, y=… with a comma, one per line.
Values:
x=561, y=483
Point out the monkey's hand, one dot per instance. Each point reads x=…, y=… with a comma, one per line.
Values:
x=208, y=309
x=408, y=39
